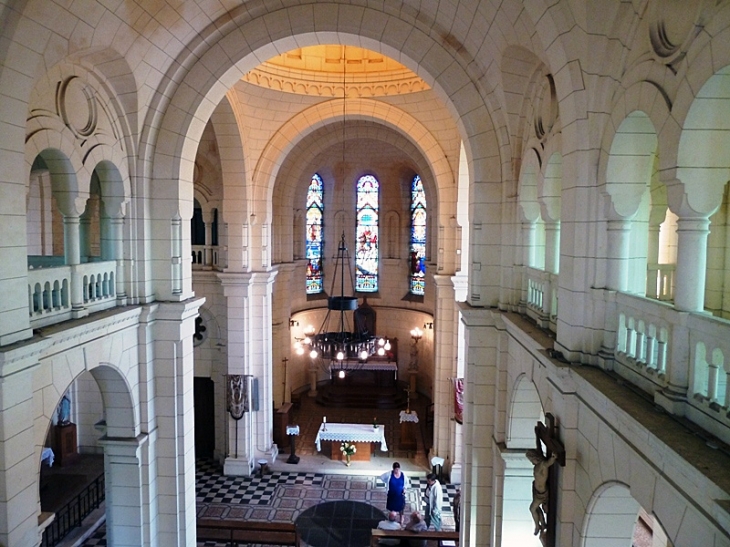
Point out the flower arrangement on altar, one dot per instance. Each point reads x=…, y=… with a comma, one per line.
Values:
x=348, y=449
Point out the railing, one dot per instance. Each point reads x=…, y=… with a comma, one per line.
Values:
x=660, y=281
x=542, y=297
x=74, y=512
x=204, y=256
x=685, y=355
x=49, y=290
x=49, y=296
x=98, y=282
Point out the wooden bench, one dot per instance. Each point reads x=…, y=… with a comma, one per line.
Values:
x=237, y=532
x=376, y=535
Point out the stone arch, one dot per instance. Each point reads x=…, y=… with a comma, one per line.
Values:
x=630, y=163
x=330, y=113
x=610, y=517
x=122, y=421
x=200, y=78
x=525, y=410
x=296, y=167
x=703, y=154
x=69, y=177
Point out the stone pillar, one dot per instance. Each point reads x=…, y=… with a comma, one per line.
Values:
x=172, y=330
x=248, y=298
x=617, y=267
x=19, y=458
x=515, y=525
x=124, y=485
x=552, y=247
x=282, y=332
x=689, y=292
x=445, y=351
x=528, y=243
x=481, y=374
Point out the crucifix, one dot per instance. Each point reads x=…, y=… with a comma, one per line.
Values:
x=545, y=485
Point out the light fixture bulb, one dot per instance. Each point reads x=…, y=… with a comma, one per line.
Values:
x=300, y=351
x=341, y=374
x=381, y=342
x=340, y=355
x=387, y=346
x=307, y=340
x=363, y=355
x=313, y=354
x=381, y=351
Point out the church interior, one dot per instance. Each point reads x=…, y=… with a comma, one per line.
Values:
x=256, y=240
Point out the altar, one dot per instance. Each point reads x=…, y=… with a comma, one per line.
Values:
x=363, y=436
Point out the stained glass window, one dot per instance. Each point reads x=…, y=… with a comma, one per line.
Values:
x=418, y=237
x=313, y=244
x=366, y=236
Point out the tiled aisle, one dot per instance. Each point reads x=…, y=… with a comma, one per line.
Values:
x=289, y=490
x=282, y=496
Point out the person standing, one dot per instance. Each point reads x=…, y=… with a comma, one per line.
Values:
x=396, y=484
x=434, y=501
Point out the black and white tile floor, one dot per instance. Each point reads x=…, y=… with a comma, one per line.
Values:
x=283, y=496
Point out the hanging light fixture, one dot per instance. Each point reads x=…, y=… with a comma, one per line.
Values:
x=340, y=343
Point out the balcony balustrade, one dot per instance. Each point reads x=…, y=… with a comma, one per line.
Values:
x=50, y=290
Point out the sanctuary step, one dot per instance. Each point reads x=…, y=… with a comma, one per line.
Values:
x=362, y=396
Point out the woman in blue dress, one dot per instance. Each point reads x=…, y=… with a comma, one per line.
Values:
x=396, y=484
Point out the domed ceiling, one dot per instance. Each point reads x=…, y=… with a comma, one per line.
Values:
x=329, y=70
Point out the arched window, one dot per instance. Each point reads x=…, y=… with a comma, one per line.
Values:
x=313, y=243
x=418, y=237
x=366, y=235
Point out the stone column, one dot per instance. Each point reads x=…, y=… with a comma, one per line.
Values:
x=282, y=331
x=689, y=292
x=445, y=352
x=172, y=330
x=124, y=485
x=115, y=210
x=72, y=250
x=248, y=297
x=19, y=458
x=481, y=374
x=617, y=268
x=552, y=247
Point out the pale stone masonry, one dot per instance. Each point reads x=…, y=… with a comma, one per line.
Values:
x=154, y=164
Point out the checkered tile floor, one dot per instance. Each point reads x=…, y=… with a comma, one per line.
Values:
x=276, y=493
x=214, y=487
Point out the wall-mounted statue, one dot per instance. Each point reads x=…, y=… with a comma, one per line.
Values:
x=544, y=484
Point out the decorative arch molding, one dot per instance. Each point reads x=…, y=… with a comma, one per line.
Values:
x=300, y=128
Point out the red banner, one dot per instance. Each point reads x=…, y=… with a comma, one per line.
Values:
x=458, y=399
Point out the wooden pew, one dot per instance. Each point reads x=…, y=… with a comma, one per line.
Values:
x=376, y=535
x=237, y=532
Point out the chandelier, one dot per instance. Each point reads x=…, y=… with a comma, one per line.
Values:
x=345, y=339
x=343, y=342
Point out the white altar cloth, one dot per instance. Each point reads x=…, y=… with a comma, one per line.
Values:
x=354, y=433
x=408, y=416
